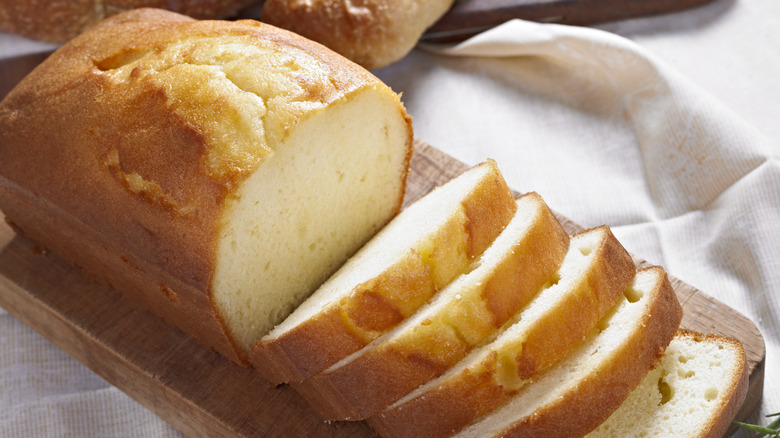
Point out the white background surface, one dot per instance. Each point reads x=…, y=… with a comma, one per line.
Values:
x=578, y=152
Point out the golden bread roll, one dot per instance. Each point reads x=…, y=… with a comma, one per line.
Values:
x=373, y=33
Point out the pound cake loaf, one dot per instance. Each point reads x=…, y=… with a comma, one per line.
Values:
x=216, y=172
x=694, y=392
x=421, y=251
x=593, y=276
x=373, y=33
x=57, y=21
x=580, y=391
x=469, y=310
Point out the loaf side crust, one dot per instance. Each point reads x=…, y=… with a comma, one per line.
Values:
x=431, y=341
x=102, y=258
x=495, y=373
x=374, y=307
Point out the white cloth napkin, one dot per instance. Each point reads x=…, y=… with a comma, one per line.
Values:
x=602, y=129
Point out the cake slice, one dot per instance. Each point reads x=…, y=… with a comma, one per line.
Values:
x=593, y=276
x=422, y=250
x=694, y=393
x=473, y=307
x=579, y=392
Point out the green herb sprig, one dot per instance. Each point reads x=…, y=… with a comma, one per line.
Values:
x=772, y=429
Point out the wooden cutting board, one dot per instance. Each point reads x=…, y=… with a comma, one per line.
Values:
x=199, y=392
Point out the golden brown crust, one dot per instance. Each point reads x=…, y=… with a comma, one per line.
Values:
x=382, y=374
x=346, y=326
x=373, y=33
x=584, y=407
x=179, y=303
x=88, y=136
x=361, y=316
x=488, y=210
x=57, y=21
x=593, y=400
x=441, y=411
x=469, y=395
x=570, y=324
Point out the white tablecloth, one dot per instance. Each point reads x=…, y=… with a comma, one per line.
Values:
x=665, y=128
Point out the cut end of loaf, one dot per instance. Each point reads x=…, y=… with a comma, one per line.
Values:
x=333, y=181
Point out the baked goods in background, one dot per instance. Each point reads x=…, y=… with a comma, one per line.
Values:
x=57, y=21
x=216, y=172
x=373, y=33
x=421, y=251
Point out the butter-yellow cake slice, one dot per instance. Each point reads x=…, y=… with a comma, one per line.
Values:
x=472, y=308
x=593, y=276
x=580, y=391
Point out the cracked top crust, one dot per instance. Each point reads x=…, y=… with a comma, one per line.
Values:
x=237, y=87
x=132, y=83
x=207, y=83
x=256, y=80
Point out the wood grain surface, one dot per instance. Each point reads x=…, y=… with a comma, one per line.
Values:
x=199, y=392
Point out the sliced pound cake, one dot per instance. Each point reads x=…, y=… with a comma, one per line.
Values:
x=594, y=274
x=473, y=307
x=576, y=394
x=422, y=250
